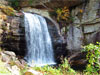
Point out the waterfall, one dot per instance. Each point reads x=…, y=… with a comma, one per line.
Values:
x=39, y=46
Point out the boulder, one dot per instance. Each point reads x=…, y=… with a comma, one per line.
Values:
x=7, y=56
x=10, y=53
x=78, y=60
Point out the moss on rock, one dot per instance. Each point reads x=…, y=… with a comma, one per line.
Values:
x=7, y=10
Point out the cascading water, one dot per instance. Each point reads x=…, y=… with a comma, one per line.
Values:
x=39, y=45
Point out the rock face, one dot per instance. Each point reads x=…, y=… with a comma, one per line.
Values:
x=86, y=25
x=11, y=31
x=50, y=3
x=13, y=35
x=74, y=38
x=85, y=28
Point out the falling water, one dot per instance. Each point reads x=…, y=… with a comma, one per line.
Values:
x=39, y=45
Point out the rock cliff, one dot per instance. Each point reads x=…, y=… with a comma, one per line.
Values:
x=84, y=29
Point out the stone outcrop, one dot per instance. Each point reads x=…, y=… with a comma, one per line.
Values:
x=11, y=31
x=86, y=25
x=13, y=37
x=85, y=28
x=50, y=4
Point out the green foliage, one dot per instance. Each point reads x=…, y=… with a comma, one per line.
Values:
x=7, y=10
x=62, y=13
x=48, y=70
x=63, y=69
x=65, y=66
x=93, y=56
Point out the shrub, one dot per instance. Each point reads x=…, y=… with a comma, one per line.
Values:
x=7, y=10
x=62, y=13
x=93, y=56
x=63, y=69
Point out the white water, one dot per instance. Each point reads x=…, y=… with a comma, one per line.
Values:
x=39, y=45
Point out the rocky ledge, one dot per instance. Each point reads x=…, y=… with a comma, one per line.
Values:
x=50, y=3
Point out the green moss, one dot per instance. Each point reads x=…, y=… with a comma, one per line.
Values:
x=7, y=10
